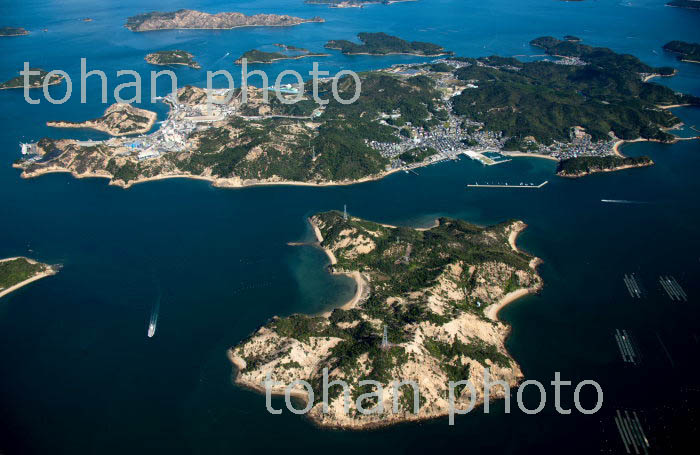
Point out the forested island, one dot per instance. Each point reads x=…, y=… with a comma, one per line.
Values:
x=256, y=56
x=437, y=292
x=190, y=19
x=383, y=44
x=586, y=165
x=601, y=91
x=687, y=52
x=690, y=4
x=35, y=80
x=174, y=57
x=119, y=119
x=13, y=31
x=20, y=271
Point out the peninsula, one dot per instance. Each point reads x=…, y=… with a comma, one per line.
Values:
x=35, y=80
x=436, y=292
x=383, y=44
x=20, y=271
x=190, y=19
x=584, y=103
x=686, y=52
x=174, y=57
x=119, y=119
x=586, y=165
x=13, y=31
x=256, y=56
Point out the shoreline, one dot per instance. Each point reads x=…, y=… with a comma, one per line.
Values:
x=361, y=283
x=493, y=310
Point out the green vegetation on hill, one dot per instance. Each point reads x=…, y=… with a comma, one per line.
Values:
x=17, y=270
x=545, y=100
x=403, y=262
x=584, y=165
x=383, y=44
x=35, y=81
x=685, y=51
x=416, y=155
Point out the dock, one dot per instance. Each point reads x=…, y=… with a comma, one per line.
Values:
x=506, y=185
x=631, y=432
x=624, y=344
x=673, y=289
x=633, y=286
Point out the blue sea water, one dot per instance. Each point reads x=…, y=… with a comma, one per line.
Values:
x=79, y=374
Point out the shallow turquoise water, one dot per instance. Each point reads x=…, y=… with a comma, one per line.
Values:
x=79, y=374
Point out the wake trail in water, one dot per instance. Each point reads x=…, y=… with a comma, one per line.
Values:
x=152, y=324
x=622, y=201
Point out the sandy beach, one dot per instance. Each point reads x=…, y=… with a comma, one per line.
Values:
x=529, y=155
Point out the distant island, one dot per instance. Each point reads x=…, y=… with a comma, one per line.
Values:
x=13, y=31
x=354, y=3
x=690, y=4
x=174, y=57
x=20, y=271
x=586, y=165
x=256, y=56
x=687, y=52
x=189, y=19
x=383, y=44
x=437, y=293
x=119, y=119
x=35, y=81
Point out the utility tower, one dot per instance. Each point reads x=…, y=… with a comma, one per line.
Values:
x=385, y=339
x=345, y=212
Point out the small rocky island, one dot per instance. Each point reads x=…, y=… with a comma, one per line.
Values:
x=586, y=165
x=686, y=52
x=13, y=31
x=437, y=292
x=190, y=19
x=35, y=80
x=174, y=57
x=120, y=119
x=383, y=44
x=256, y=56
x=20, y=271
